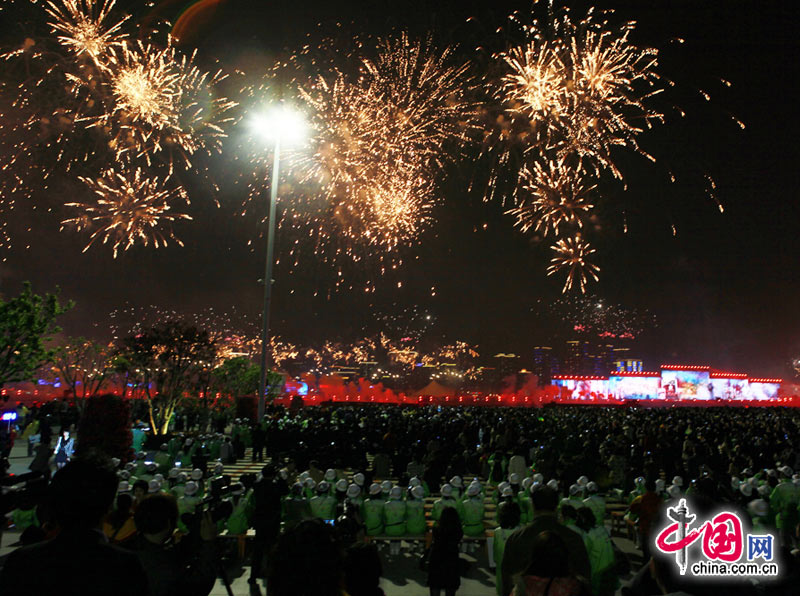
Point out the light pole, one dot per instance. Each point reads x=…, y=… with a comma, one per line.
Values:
x=281, y=125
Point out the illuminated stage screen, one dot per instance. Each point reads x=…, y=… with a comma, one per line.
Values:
x=582, y=388
x=764, y=390
x=633, y=387
x=730, y=389
x=685, y=384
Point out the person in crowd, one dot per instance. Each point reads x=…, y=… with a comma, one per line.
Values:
x=474, y=510
x=444, y=564
x=647, y=508
x=372, y=510
x=119, y=526
x=307, y=560
x=604, y=577
x=64, y=450
x=79, y=561
x=185, y=567
x=268, y=493
x=520, y=543
x=548, y=571
x=258, y=436
x=415, y=512
x=508, y=519
x=323, y=504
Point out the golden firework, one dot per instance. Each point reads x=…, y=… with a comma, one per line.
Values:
x=570, y=256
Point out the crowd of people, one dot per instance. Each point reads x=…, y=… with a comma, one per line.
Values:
x=336, y=482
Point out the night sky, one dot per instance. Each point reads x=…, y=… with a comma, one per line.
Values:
x=724, y=288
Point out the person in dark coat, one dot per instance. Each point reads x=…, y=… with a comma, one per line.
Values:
x=444, y=568
x=79, y=561
x=258, y=435
x=268, y=493
x=516, y=557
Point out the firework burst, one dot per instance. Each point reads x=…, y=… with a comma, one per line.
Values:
x=85, y=27
x=130, y=208
x=571, y=256
x=554, y=195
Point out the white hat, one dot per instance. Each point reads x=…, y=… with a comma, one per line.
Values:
x=353, y=491
x=639, y=481
x=414, y=482
x=418, y=492
x=764, y=490
x=130, y=466
x=582, y=481
x=153, y=486
x=513, y=478
x=123, y=487
x=173, y=473
x=526, y=483
x=323, y=487
x=787, y=471
x=447, y=490
x=341, y=485
x=473, y=489
x=164, y=447
x=151, y=467
x=396, y=493
x=218, y=468
x=747, y=472
x=735, y=483
x=330, y=474
x=455, y=481
x=124, y=474
x=746, y=489
x=297, y=489
x=310, y=484
x=502, y=485
x=534, y=487
x=284, y=473
x=508, y=492
x=660, y=485
x=386, y=486
x=758, y=507
x=677, y=481
x=190, y=489
x=574, y=489
x=592, y=486
x=374, y=489
x=674, y=491
x=358, y=478
x=197, y=474
x=552, y=484
x=115, y=461
x=159, y=477
x=182, y=478
x=538, y=478
x=303, y=475
x=772, y=472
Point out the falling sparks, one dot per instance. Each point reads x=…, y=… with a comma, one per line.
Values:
x=130, y=209
x=89, y=96
x=571, y=256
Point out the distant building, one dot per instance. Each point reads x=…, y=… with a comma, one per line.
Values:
x=627, y=365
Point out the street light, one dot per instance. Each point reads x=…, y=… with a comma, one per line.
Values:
x=283, y=127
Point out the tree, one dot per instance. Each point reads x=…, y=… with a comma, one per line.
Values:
x=83, y=365
x=236, y=376
x=27, y=324
x=165, y=362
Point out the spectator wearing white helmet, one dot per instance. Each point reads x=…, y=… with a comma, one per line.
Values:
x=596, y=503
x=386, y=487
x=552, y=485
x=661, y=487
x=677, y=481
x=457, y=485
x=537, y=477
x=341, y=490
x=415, y=512
x=323, y=504
x=582, y=481
x=515, y=480
x=524, y=501
x=296, y=506
x=188, y=502
x=359, y=479
x=638, y=489
x=372, y=510
x=498, y=493
x=308, y=487
x=153, y=487
x=746, y=489
x=446, y=500
x=674, y=491
x=573, y=497
x=759, y=511
x=394, y=517
x=354, y=496
x=783, y=501
x=330, y=475
x=473, y=509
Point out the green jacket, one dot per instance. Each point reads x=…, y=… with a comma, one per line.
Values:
x=323, y=507
x=394, y=518
x=525, y=506
x=415, y=517
x=598, y=506
x=473, y=517
x=783, y=501
x=372, y=510
x=498, y=548
x=239, y=520
x=602, y=560
x=440, y=504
